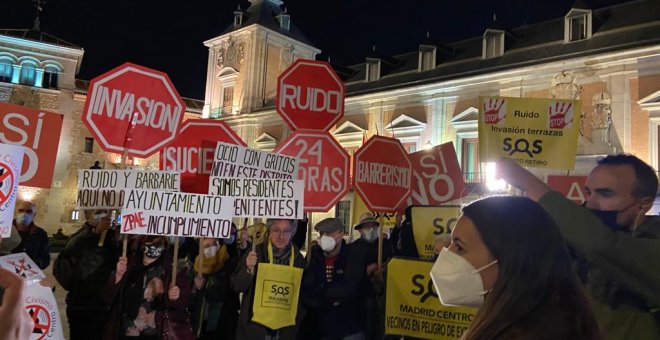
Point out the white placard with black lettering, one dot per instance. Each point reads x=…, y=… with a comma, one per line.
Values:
x=11, y=160
x=151, y=212
x=22, y=265
x=106, y=189
x=262, y=197
x=238, y=161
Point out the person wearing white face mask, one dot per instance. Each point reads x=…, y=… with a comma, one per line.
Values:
x=334, y=285
x=34, y=240
x=508, y=259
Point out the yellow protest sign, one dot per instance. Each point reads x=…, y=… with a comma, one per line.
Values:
x=430, y=222
x=413, y=307
x=360, y=208
x=534, y=132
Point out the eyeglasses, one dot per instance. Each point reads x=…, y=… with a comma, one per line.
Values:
x=281, y=231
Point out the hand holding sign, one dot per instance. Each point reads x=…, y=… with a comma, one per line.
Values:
x=251, y=261
x=122, y=264
x=173, y=293
x=15, y=323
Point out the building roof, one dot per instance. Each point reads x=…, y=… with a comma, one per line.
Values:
x=624, y=26
x=38, y=36
x=264, y=13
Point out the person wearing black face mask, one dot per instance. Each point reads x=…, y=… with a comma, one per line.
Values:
x=146, y=305
x=616, y=246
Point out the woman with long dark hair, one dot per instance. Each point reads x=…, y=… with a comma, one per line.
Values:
x=508, y=259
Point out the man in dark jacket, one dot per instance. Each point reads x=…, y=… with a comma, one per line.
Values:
x=82, y=268
x=334, y=284
x=34, y=240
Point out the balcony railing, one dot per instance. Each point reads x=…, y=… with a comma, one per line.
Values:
x=472, y=177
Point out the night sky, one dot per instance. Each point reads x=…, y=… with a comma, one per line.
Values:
x=167, y=34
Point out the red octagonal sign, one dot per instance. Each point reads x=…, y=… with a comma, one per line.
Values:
x=382, y=174
x=133, y=95
x=323, y=167
x=192, y=152
x=310, y=95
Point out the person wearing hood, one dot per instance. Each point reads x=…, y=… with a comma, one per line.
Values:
x=334, y=284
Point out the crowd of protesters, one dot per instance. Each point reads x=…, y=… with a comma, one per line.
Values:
x=536, y=267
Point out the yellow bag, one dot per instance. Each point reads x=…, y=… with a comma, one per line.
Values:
x=276, y=293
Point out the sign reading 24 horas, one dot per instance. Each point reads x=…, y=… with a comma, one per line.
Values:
x=534, y=132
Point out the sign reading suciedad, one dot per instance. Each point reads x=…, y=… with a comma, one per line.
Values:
x=262, y=197
x=150, y=212
x=106, y=189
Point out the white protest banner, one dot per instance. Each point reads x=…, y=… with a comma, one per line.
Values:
x=11, y=159
x=262, y=197
x=238, y=161
x=41, y=305
x=151, y=212
x=106, y=189
x=22, y=265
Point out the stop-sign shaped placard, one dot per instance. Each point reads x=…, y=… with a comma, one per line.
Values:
x=382, y=173
x=310, y=95
x=324, y=167
x=138, y=97
x=192, y=152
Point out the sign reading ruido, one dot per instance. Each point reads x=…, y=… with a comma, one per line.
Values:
x=149, y=212
x=133, y=107
x=262, y=197
x=106, y=189
x=11, y=157
x=192, y=152
x=382, y=174
x=310, y=95
x=39, y=132
x=413, y=308
x=238, y=161
x=534, y=132
x=324, y=167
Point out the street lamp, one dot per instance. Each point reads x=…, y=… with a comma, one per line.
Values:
x=493, y=184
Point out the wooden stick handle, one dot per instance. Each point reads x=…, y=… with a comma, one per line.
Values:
x=124, y=246
x=102, y=238
x=380, y=241
x=175, y=261
x=200, y=254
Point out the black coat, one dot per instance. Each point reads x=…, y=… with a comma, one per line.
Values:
x=339, y=305
x=35, y=244
x=83, y=268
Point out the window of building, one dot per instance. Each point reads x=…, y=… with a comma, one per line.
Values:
x=343, y=213
x=470, y=160
x=427, y=59
x=373, y=71
x=28, y=75
x=410, y=147
x=285, y=22
x=6, y=71
x=50, y=78
x=75, y=215
x=578, y=28
x=493, y=45
x=227, y=99
x=89, y=144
